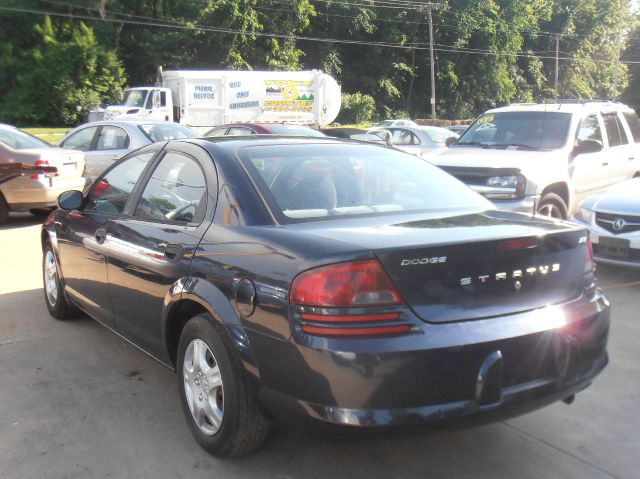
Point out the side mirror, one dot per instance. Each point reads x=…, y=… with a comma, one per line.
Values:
x=70, y=200
x=450, y=141
x=587, y=146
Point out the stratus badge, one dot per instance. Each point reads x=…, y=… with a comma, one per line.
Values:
x=518, y=274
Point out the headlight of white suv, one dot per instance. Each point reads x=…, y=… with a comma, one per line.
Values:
x=505, y=187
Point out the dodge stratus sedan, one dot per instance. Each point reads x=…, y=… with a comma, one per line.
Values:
x=324, y=282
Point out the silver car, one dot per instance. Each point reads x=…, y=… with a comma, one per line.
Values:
x=104, y=142
x=613, y=217
x=418, y=140
x=36, y=192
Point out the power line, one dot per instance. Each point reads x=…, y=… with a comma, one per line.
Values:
x=160, y=24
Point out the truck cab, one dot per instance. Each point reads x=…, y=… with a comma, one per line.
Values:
x=139, y=103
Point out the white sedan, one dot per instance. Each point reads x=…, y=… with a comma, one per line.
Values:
x=613, y=217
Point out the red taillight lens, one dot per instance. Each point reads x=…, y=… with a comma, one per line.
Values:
x=358, y=284
x=40, y=176
x=345, y=285
x=589, y=264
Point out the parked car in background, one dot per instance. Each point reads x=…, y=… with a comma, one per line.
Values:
x=36, y=192
x=241, y=129
x=457, y=129
x=545, y=158
x=613, y=217
x=418, y=140
x=390, y=123
x=103, y=142
x=319, y=281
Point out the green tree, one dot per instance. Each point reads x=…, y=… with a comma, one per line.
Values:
x=61, y=78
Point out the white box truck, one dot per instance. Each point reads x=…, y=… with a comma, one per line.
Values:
x=204, y=99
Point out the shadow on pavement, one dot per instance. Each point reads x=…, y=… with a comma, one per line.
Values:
x=22, y=220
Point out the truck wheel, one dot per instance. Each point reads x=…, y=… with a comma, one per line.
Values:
x=222, y=413
x=54, y=297
x=553, y=206
x=4, y=210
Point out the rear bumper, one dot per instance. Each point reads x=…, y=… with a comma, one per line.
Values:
x=24, y=193
x=475, y=371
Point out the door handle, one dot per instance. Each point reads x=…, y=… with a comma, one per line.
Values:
x=173, y=252
x=101, y=235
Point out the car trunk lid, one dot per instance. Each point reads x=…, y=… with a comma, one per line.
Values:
x=476, y=265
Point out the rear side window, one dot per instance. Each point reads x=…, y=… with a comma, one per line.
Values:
x=615, y=132
x=634, y=125
x=80, y=140
x=112, y=138
x=110, y=193
x=240, y=131
x=175, y=193
x=328, y=180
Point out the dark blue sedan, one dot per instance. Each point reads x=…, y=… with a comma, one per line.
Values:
x=327, y=282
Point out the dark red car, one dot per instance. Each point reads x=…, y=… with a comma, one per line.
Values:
x=243, y=129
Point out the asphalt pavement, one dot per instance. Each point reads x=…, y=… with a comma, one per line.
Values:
x=77, y=401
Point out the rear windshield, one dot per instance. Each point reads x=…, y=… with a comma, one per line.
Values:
x=313, y=181
x=533, y=130
x=19, y=140
x=166, y=131
x=293, y=130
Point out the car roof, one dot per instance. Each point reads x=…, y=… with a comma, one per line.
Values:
x=127, y=123
x=566, y=106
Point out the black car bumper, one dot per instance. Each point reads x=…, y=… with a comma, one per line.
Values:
x=485, y=369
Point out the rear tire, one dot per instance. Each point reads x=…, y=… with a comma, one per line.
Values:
x=4, y=210
x=54, y=297
x=218, y=403
x=553, y=206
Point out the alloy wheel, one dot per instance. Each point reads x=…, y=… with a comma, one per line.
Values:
x=203, y=387
x=51, y=278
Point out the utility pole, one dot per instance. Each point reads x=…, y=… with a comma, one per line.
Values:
x=429, y=7
x=555, y=81
x=617, y=69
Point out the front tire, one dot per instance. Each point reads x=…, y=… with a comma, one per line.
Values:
x=219, y=406
x=553, y=206
x=54, y=297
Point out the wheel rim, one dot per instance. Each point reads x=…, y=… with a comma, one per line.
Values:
x=551, y=210
x=203, y=387
x=51, y=278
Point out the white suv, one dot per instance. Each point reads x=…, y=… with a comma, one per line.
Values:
x=546, y=158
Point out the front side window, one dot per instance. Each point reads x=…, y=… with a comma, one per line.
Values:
x=531, y=130
x=175, y=193
x=134, y=98
x=81, y=140
x=615, y=131
x=328, y=180
x=589, y=129
x=110, y=193
x=112, y=138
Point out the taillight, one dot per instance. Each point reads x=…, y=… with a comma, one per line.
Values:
x=588, y=276
x=348, y=299
x=40, y=176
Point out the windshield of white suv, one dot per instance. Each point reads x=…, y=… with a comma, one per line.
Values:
x=531, y=130
x=134, y=98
